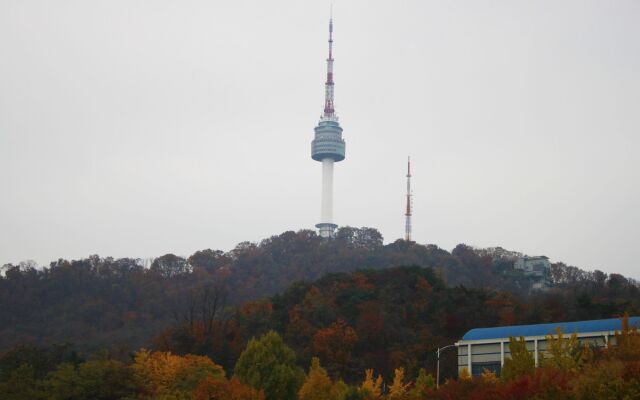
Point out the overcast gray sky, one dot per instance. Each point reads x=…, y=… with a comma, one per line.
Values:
x=138, y=128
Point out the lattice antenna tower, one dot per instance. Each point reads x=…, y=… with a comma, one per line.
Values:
x=409, y=210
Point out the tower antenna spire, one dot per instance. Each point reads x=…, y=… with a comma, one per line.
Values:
x=409, y=212
x=329, y=111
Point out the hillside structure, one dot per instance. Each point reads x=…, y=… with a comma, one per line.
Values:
x=328, y=147
x=536, y=269
x=487, y=348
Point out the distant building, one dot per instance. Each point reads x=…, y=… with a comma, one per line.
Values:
x=487, y=348
x=537, y=269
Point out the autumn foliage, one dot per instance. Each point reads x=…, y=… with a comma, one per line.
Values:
x=267, y=370
x=162, y=373
x=223, y=389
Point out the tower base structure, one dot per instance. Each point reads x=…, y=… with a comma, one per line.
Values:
x=326, y=229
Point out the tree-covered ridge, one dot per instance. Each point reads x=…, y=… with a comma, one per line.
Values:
x=98, y=302
x=381, y=319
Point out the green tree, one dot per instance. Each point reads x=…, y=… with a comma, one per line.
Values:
x=21, y=384
x=355, y=393
x=42, y=359
x=91, y=380
x=423, y=383
x=64, y=383
x=270, y=365
x=521, y=361
x=339, y=390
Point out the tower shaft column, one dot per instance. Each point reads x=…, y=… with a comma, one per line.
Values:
x=326, y=211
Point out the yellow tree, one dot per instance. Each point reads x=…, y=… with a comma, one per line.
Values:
x=318, y=385
x=489, y=376
x=398, y=388
x=162, y=373
x=627, y=342
x=370, y=386
x=564, y=354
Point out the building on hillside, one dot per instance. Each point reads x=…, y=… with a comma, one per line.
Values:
x=536, y=269
x=487, y=348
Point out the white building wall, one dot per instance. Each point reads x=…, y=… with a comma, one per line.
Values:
x=485, y=352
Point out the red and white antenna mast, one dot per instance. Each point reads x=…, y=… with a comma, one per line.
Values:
x=329, y=111
x=407, y=226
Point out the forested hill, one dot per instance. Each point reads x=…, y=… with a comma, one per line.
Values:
x=104, y=302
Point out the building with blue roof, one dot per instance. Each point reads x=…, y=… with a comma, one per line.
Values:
x=486, y=348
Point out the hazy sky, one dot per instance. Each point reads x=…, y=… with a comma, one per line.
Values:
x=138, y=128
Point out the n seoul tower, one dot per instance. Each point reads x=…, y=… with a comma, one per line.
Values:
x=328, y=147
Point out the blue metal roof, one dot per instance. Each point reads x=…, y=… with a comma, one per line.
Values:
x=598, y=325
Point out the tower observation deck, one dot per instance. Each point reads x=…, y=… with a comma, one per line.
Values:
x=328, y=147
